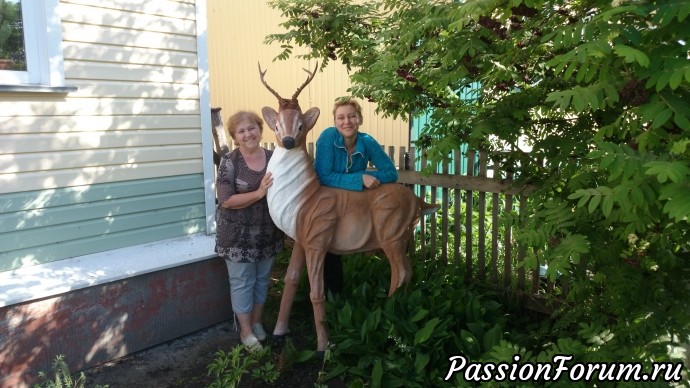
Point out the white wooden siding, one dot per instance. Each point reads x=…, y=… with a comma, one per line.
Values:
x=91, y=158
x=135, y=121
x=128, y=59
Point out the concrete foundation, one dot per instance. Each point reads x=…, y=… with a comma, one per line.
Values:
x=94, y=325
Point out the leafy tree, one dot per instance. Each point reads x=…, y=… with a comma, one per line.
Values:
x=598, y=89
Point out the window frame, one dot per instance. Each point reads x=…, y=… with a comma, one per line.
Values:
x=43, y=47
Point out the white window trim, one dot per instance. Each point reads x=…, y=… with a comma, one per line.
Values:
x=206, y=126
x=43, y=45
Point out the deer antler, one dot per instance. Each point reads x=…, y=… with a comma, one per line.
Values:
x=311, y=77
x=270, y=89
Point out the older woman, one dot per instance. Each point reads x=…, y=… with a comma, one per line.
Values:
x=342, y=157
x=246, y=236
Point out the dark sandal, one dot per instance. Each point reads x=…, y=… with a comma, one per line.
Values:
x=280, y=337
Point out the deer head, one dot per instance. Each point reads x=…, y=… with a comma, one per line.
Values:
x=289, y=124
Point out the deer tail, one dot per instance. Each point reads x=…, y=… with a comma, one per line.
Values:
x=427, y=208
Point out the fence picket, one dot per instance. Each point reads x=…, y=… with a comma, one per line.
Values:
x=422, y=194
x=521, y=249
x=457, y=220
x=433, y=232
x=495, y=206
x=469, y=206
x=481, y=224
x=508, y=241
x=444, y=219
x=536, y=281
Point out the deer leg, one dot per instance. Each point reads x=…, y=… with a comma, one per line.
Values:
x=401, y=269
x=407, y=262
x=315, y=260
x=292, y=277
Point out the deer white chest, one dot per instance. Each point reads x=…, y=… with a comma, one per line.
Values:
x=286, y=194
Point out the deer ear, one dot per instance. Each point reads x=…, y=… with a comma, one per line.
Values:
x=310, y=117
x=270, y=116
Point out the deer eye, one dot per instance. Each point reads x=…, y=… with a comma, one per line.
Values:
x=299, y=128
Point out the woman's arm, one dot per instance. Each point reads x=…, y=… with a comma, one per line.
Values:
x=385, y=169
x=228, y=197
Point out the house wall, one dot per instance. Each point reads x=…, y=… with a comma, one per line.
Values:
x=119, y=161
x=237, y=30
x=106, y=200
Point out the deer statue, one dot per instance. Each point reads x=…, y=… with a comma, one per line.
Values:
x=322, y=219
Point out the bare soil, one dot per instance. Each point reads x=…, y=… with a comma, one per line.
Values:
x=183, y=362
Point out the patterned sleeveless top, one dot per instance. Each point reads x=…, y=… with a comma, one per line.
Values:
x=245, y=235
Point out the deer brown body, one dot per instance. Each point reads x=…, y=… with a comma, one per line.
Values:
x=322, y=219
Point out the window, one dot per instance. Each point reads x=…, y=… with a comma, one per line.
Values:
x=30, y=43
x=12, y=54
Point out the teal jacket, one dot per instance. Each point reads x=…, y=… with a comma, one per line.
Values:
x=332, y=166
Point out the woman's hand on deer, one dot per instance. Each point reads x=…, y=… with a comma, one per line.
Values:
x=370, y=182
x=266, y=182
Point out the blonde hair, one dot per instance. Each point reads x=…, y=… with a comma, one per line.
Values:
x=235, y=120
x=353, y=103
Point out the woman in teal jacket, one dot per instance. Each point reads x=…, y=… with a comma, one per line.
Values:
x=343, y=153
x=342, y=157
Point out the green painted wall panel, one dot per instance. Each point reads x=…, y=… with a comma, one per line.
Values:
x=64, y=250
x=24, y=220
x=43, y=226
x=102, y=226
x=30, y=200
x=468, y=94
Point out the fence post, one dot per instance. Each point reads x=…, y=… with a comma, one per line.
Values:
x=481, y=224
x=495, y=204
x=457, y=203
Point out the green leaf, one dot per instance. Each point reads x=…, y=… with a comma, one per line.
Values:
x=663, y=80
x=679, y=146
x=676, y=78
x=662, y=118
x=682, y=121
x=419, y=314
x=421, y=361
x=471, y=343
x=677, y=205
x=338, y=370
x=632, y=55
x=607, y=205
x=637, y=195
x=377, y=374
x=425, y=333
x=675, y=171
x=345, y=315
x=492, y=337
x=606, y=161
x=593, y=203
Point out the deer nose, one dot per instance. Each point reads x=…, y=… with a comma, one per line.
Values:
x=288, y=142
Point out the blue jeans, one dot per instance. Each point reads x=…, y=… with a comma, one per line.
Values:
x=248, y=283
